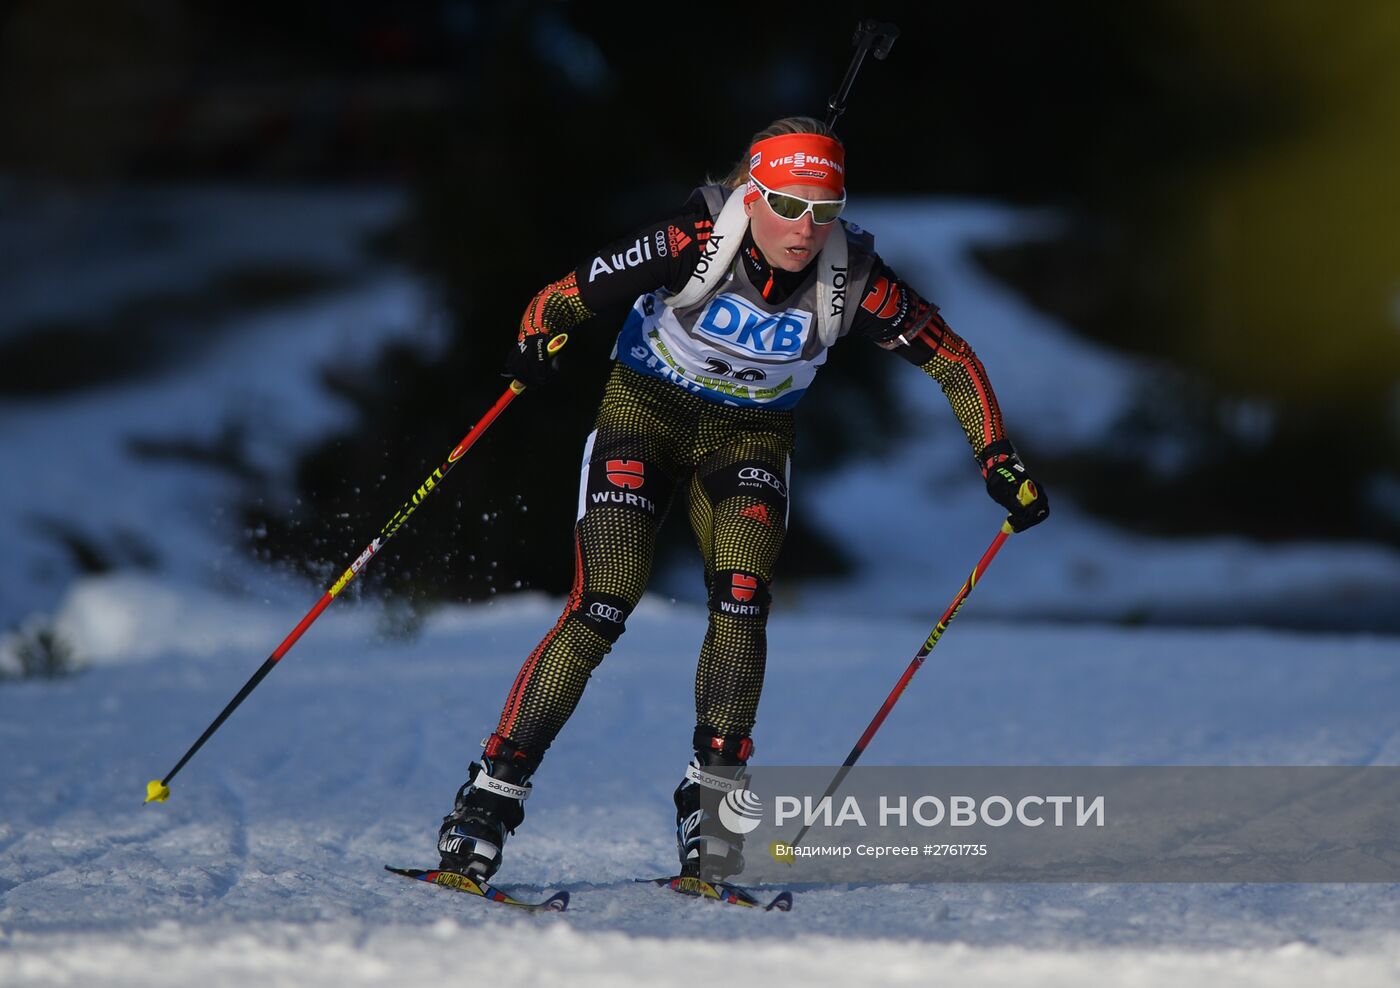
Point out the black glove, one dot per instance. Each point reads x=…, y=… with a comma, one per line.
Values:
x=534, y=359
x=1008, y=482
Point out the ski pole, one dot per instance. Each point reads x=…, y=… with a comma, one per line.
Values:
x=1025, y=495
x=876, y=37
x=158, y=790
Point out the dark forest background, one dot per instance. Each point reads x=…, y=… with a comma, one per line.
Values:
x=1227, y=170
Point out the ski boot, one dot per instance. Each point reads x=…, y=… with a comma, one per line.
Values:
x=708, y=849
x=489, y=806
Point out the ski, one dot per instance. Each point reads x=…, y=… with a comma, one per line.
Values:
x=727, y=892
x=459, y=882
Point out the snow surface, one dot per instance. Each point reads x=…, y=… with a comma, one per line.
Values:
x=264, y=867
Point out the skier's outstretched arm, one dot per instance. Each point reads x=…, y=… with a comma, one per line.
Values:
x=899, y=320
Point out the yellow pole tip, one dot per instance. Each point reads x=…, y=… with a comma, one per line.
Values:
x=157, y=791
x=774, y=849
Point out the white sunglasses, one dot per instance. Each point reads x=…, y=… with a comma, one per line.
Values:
x=793, y=208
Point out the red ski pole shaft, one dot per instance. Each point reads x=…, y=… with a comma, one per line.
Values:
x=1026, y=495
x=158, y=790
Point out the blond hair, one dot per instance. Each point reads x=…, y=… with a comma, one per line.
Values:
x=739, y=174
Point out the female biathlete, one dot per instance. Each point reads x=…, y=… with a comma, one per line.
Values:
x=738, y=298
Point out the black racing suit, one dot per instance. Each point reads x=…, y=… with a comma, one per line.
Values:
x=654, y=439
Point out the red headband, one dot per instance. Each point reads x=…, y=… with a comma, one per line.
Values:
x=798, y=159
